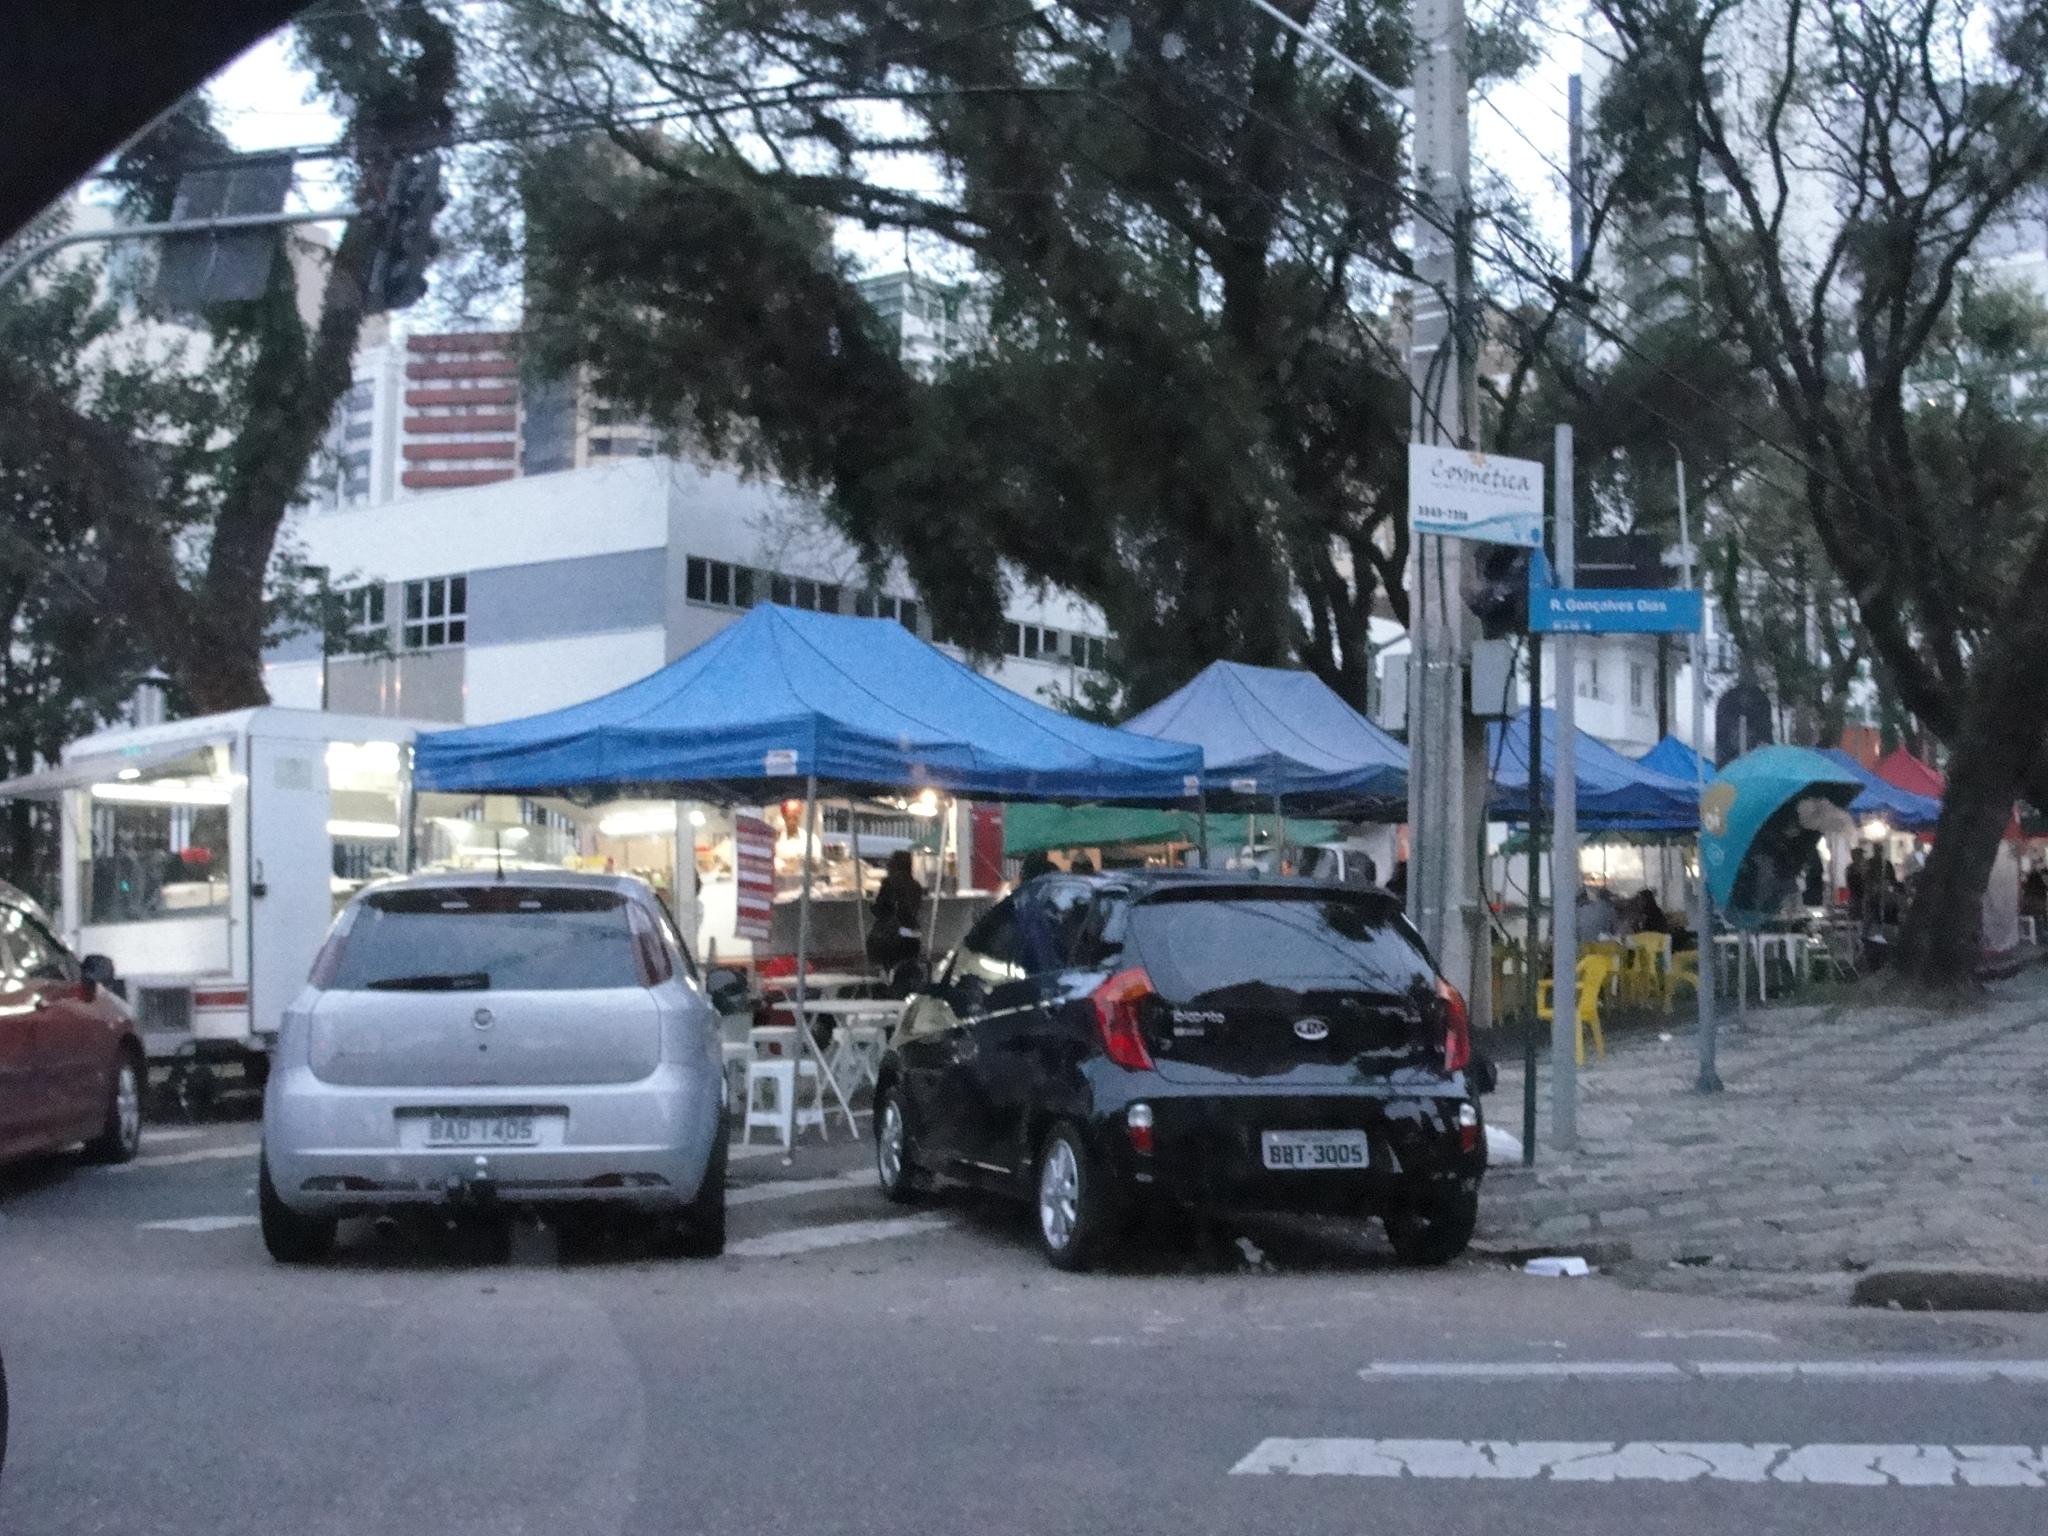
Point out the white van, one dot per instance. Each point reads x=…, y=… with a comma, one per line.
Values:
x=206, y=858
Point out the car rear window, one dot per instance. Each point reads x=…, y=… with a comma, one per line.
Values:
x=483, y=939
x=1195, y=947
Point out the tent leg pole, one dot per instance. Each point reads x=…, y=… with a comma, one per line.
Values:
x=931, y=932
x=1279, y=838
x=1202, y=823
x=860, y=884
x=803, y=966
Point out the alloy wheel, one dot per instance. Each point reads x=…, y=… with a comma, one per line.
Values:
x=128, y=1104
x=889, y=1145
x=1059, y=1194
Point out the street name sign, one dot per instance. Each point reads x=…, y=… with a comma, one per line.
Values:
x=1608, y=611
x=1464, y=495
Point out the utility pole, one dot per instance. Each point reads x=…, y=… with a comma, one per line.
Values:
x=1446, y=812
x=1703, y=904
x=1564, y=839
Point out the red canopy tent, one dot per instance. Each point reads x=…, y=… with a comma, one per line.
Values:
x=1903, y=770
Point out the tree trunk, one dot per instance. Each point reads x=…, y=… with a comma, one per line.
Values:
x=1992, y=751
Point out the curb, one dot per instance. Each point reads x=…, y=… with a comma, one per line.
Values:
x=1952, y=1290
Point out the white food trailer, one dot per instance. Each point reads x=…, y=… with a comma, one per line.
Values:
x=206, y=858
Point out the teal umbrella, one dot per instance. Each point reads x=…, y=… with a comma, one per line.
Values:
x=1752, y=839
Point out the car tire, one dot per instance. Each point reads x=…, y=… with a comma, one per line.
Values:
x=289, y=1237
x=120, y=1136
x=897, y=1170
x=256, y=1069
x=1075, y=1206
x=1434, y=1228
x=702, y=1233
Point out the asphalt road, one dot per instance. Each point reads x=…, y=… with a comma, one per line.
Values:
x=852, y=1368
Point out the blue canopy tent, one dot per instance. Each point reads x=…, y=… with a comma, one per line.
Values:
x=786, y=700
x=1675, y=760
x=1751, y=826
x=1901, y=807
x=1272, y=731
x=1615, y=793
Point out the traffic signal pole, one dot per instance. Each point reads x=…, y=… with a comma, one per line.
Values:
x=222, y=225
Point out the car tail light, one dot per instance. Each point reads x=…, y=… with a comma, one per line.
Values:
x=1116, y=1016
x=1457, y=1028
x=328, y=961
x=1138, y=1122
x=1468, y=1128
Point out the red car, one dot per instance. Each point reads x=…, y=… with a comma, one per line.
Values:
x=71, y=1064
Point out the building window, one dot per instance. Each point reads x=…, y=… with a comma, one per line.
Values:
x=436, y=612
x=364, y=609
x=724, y=586
x=1635, y=684
x=1098, y=654
x=1589, y=678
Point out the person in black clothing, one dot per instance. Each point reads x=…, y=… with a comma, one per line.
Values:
x=1858, y=881
x=1036, y=864
x=892, y=939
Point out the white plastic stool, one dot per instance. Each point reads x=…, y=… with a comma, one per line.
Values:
x=782, y=1114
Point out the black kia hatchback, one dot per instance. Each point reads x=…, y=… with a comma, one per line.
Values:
x=1222, y=1041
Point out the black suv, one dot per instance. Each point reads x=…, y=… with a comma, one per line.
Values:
x=1201, y=1039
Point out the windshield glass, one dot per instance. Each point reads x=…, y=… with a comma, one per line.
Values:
x=496, y=938
x=1212, y=949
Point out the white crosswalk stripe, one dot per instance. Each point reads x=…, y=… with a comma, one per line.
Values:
x=1655, y=1461
x=1681, y=1371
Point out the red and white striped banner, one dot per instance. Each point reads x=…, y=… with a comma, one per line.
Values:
x=753, y=842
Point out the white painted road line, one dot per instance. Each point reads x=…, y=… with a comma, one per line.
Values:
x=1879, y=1370
x=197, y=1224
x=787, y=1189
x=156, y=1133
x=1656, y=1461
x=1516, y=1370
x=1708, y=1370
x=780, y=1245
x=179, y=1159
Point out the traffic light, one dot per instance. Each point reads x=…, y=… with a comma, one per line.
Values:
x=1499, y=597
x=406, y=246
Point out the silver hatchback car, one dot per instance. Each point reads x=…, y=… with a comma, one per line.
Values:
x=484, y=1044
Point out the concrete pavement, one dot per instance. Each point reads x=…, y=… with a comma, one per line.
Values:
x=861, y=1368
x=1849, y=1136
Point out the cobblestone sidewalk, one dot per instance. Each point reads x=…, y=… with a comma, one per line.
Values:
x=1849, y=1136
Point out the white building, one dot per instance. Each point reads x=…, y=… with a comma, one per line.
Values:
x=505, y=599
x=931, y=320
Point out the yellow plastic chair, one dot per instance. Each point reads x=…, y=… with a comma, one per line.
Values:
x=1684, y=972
x=1646, y=971
x=1593, y=974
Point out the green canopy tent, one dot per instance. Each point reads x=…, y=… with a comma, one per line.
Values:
x=1032, y=828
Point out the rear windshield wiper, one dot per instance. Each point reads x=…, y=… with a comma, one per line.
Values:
x=460, y=981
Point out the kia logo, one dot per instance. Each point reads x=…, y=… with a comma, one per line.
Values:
x=1312, y=1029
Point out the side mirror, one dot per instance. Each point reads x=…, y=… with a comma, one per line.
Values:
x=97, y=971
x=726, y=987
x=969, y=996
